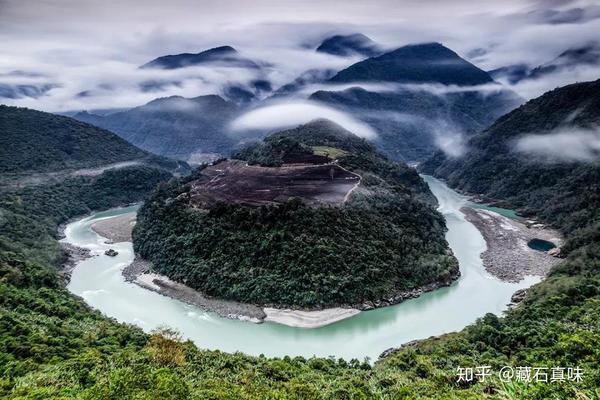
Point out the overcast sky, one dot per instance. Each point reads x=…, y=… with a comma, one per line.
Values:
x=93, y=48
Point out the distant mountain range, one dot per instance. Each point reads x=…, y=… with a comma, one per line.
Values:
x=176, y=127
x=38, y=142
x=587, y=55
x=409, y=116
x=355, y=44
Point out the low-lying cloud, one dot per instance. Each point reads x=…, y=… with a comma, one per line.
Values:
x=285, y=115
x=563, y=145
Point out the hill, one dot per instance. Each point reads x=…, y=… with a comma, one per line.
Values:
x=418, y=63
x=282, y=228
x=355, y=44
x=38, y=142
x=527, y=158
x=174, y=126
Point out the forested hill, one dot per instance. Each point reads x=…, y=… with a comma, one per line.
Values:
x=540, y=158
x=35, y=141
x=314, y=218
x=328, y=139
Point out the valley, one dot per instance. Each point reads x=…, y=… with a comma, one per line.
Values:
x=299, y=201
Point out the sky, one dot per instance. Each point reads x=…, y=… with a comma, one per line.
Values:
x=89, y=51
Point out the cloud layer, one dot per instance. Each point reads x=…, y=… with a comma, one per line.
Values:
x=565, y=144
x=91, y=50
x=287, y=115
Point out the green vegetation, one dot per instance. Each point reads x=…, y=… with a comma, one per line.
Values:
x=53, y=346
x=382, y=242
x=329, y=152
x=35, y=141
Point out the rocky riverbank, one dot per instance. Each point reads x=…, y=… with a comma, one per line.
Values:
x=73, y=255
x=508, y=256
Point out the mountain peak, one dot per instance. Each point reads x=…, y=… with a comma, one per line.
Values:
x=416, y=63
x=225, y=55
x=349, y=45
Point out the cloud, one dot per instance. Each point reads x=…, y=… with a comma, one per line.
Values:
x=564, y=144
x=83, y=46
x=451, y=143
x=285, y=115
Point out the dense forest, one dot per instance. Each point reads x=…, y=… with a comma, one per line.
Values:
x=35, y=141
x=383, y=241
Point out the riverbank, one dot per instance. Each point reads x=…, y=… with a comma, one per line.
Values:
x=115, y=229
x=508, y=257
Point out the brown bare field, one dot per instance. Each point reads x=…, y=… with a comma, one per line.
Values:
x=235, y=182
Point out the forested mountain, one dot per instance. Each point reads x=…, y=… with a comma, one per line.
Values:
x=539, y=158
x=418, y=63
x=34, y=141
x=355, y=44
x=418, y=110
x=282, y=228
x=174, y=126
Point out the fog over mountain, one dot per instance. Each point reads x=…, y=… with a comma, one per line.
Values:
x=68, y=60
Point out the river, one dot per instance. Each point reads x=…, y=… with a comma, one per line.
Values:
x=99, y=281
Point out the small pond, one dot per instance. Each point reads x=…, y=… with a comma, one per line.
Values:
x=540, y=244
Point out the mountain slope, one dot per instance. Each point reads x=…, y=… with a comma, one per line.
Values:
x=355, y=44
x=35, y=141
x=281, y=226
x=569, y=60
x=563, y=191
x=174, y=126
x=412, y=123
x=419, y=63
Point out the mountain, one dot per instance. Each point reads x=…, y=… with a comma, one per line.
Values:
x=511, y=73
x=174, y=126
x=280, y=226
x=355, y=44
x=418, y=63
x=235, y=91
x=568, y=60
x=421, y=113
x=38, y=142
x=308, y=77
x=225, y=56
x=539, y=158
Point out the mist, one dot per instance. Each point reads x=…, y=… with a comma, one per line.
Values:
x=563, y=145
x=291, y=114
